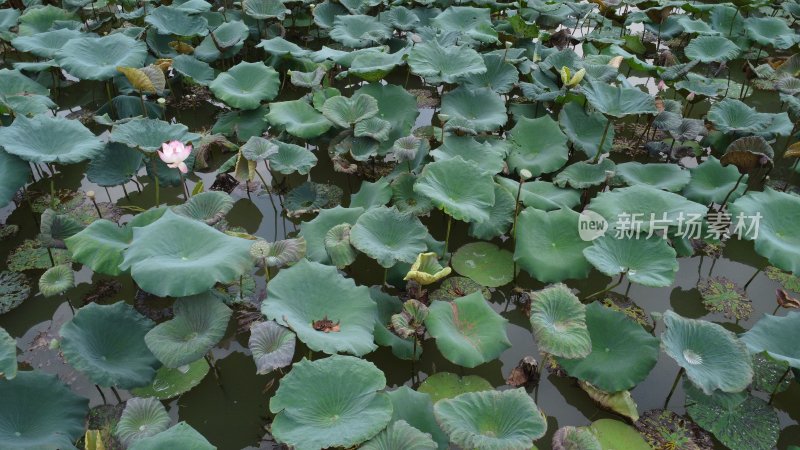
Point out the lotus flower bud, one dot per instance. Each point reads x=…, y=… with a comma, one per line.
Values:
x=55, y=344
x=690, y=97
x=509, y=44
x=260, y=249
x=90, y=195
x=444, y=117
x=525, y=174
x=161, y=101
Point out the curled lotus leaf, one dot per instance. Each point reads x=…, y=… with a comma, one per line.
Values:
x=330, y=402
x=54, y=228
x=389, y=236
x=775, y=335
x=97, y=58
x=585, y=129
x=286, y=252
x=467, y=330
x=575, y=438
x=246, y=85
x=209, y=207
x=14, y=174
x=141, y=418
x=619, y=402
x=713, y=357
x=730, y=116
x=748, y=153
x=338, y=247
x=400, y=434
x=315, y=230
x=667, y=208
x=406, y=199
x=455, y=287
x=116, y=164
x=485, y=263
x=501, y=216
x=124, y=361
x=56, y=280
x=427, y=269
x=272, y=346
x=385, y=335
x=346, y=112
x=169, y=383
x=35, y=140
x=416, y=409
x=291, y=158
x=198, y=324
x=646, y=261
x=410, y=321
x=372, y=194
x=558, y=320
x=373, y=128
x=459, y=188
x=180, y=436
x=257, y=148
x=491, y=420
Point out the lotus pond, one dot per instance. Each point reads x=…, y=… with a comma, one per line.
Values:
x=399, y=225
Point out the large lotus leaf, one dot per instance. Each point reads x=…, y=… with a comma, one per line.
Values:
x=375, y=65
x=467, y=22
x=775, y=335
x=329, y=297
x=491, y=420
x=665, y=208
x=148, y=134
x=14, y=173
x=542, y=195
x=298, y=118
x=291, y=158
x=646, y=261
x=114, y=165
x=732, y=115
x=400, y=434
x=264, y=9
x=623, y=353
x=14, y=289
x=170, y=383
x=272, y=346
x=315, y=230
x=246, y=84
x=180, y=436
x=416, y=409
x=501, y=76
x=40, y=412
x=359, y=30
x=480, y=109
x=45, y=139
x=370, y=194
x=772, y=31
x=737, y=420
x=501, y=216
x=549, y=246
x=712, y=356
x=460, y=188
x=281, y=47
x=489, y=155
x=46, y=44
x=709, y=49
x=141, y=418
x=537, y=145
x=775, y=235
x=188, y=66
x=330, y=402
x=585, y=130
x=437, y=63
x=485, y=263
x=106, y=343
x=209, y=207
x=558, y=320
x=467, y=330
x=195, y=255
x=618, y=101
x=345, y=112
x=396, y=106
x=8, y=355
x=172, y=20
x=615, y=435
x=41, y=19
x=711, y=181
x=406, y=199
x=199, y=323
x=97, y=58
x=585, y=174
x=669, y=177
x=389, y=236
x=22, y=95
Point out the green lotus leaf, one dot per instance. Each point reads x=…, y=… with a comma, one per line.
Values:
x=558, y=320
x=330, y=402
x=775, y=239
x=732, y=115
x=291, y=158
x=467, y=330
x=618, y=101
x=501, y=76
x=585, y=129
x=45, y=44
x=711, y=181
x=646, y=261
x=400, y=434
x=338, y=246
x=224, y=41
x=542, y=195
x=172, y=20
x=481, y=109
x=180, y=436
x=281, y=47
x=770, y=31
x=345, y=112
x=198, y=325
x=748, y=153
x=489, y=155
x=468, y=22
x=141, y=418
x=14, y=173
x=737, y=420
x=416, y=409
x=388, y=236
x=359, y=30
x=665, y=176
x=40, y=19
x=38, y=411
x=208, y=207
x=188, y=66
x=773, y=334
x=501, y=216
x=623, y=353
x=485, y=263
x=374, y=66
x=709, y=49
x=352, y=308
x=56, y=280
x=55, y=228
x=459, y=188
x=35, y=140
x=170, y=383
x=272, y=346
x=115, y=165
x=195, y=255
x=315, y=230
x=446, y=385
x=771, y=375
x=311, y=197
x=371, y=195
x=246, y=85
x=666, y=208
x=97, y=58
x=374, y=128
x=491, y=420
x=455, y=287
x=388, y=306
x=575, y=438
x=721, y=295
x=615, y=435
x=585, y=174
x=549, y=246
x=537, y=145
x=298, y=118
x=14, y=289
x=257, y=149
x=123, y=361
x=264, y=9
x=15, y=82
x=285, y=252
x=405, y=199
x=619, y=402
x=8, y=355
x=437, y=63
x=148, y=134
x=396, y=106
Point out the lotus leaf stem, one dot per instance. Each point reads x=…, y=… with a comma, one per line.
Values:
x=674, y=385
x=751, y=279
x=447, y=236
x=103, y=396
x=116, y=394
x=602, y=141
x=778, y=385
x=608, y=288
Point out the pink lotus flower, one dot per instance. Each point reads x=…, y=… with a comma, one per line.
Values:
x=662, y=86
x=174, y=153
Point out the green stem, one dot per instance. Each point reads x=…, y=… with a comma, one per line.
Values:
x=778, y=385
x=602, y=141
x=155, y=177
x=621, y=276
x=447, y=236
x=674, y=385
